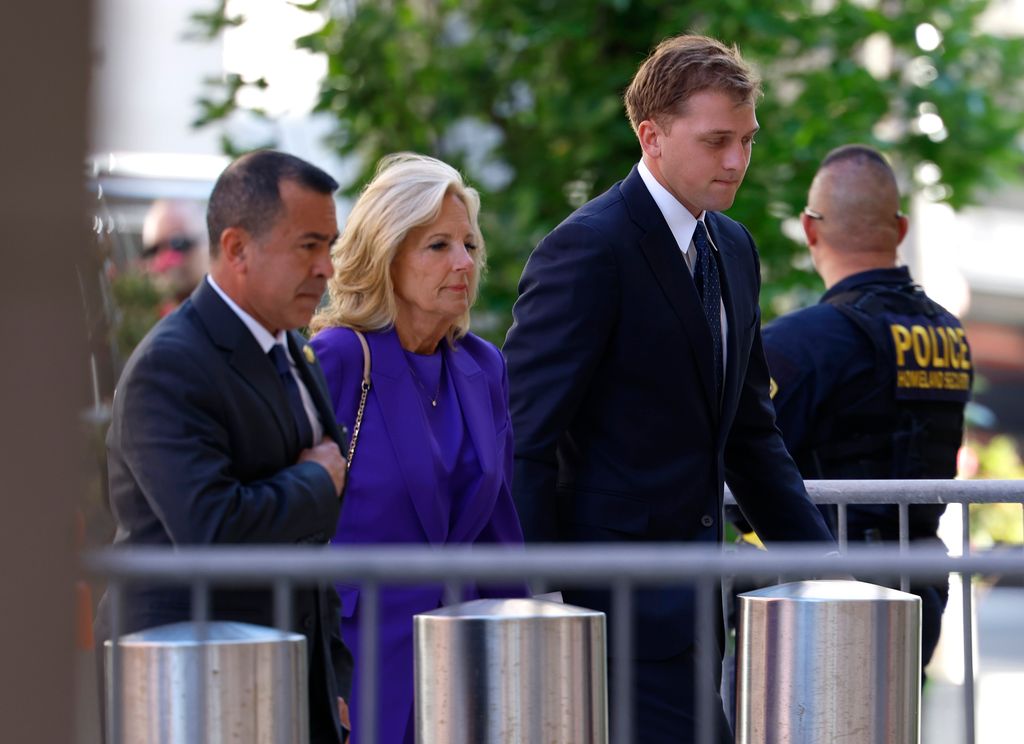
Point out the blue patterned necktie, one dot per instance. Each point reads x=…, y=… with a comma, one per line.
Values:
x=705, y=275
x=291, y=388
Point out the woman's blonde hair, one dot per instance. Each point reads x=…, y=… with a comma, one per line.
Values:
x=406, y=192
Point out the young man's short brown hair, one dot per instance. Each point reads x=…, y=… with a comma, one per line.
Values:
x=681, y=66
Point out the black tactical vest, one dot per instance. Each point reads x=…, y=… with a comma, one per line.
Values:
x=911, y=425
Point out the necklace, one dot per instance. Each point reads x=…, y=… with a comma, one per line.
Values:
x=437, y=392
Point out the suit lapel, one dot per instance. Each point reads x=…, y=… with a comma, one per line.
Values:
x=398, y=396
x=245, y=356
x=728, y=266
x=477, y=413
x=671, y=273
x=474, y=400
x=313, y=378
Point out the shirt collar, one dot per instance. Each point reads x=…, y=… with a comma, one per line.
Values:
x=895, y=275
x=263, y=337
x=680, y=222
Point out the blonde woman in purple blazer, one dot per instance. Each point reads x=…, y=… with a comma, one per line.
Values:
x=433, y=460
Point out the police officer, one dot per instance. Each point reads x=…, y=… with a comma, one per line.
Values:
x=871, y=382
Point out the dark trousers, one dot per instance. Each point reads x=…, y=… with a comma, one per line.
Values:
x=664, y=700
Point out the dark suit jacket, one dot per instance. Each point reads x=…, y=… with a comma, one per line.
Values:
x=202, y=449
x=618, y=433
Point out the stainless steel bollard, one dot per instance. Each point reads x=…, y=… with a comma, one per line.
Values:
x=828, y=661
x=511, y=671
x=212, y=683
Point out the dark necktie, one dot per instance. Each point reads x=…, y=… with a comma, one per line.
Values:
x=291, y=388
x=705, y=275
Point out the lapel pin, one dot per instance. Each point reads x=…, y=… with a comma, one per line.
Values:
x=308, y=351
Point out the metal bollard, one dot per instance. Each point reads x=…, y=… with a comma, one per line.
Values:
x=510, y=670
x=212, y=683
x=828, y=661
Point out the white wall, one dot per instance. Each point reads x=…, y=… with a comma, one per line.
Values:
x=146, y=78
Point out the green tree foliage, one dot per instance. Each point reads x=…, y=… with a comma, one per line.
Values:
x=139, y=303
x=993, y=524
x=537, y=85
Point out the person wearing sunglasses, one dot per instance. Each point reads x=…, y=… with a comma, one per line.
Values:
x=222, y=431
x=175, y=253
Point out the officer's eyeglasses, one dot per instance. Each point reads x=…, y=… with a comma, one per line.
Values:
x=816, y=215
x=178, y=244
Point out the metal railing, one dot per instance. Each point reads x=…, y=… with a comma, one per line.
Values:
x=909, y=492
x=619, y=567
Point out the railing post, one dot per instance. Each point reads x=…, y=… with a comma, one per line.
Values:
x=200, y=614
x=452, y=593
x=843, y=527
x=283, y=604
x=968, y=612
x=369, y=611
x=904, y=542
x=622, y=688
x=114, y=713
x=707, y=645
x=283, y=622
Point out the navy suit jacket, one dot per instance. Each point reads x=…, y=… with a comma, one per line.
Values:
x=202, y=449
x=619, y=435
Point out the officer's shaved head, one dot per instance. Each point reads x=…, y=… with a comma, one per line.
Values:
x=855, y=201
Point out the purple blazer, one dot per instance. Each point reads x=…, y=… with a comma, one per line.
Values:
x=393, y=496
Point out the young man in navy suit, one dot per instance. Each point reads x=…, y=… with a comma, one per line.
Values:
x=638, y=381
x=222, y=429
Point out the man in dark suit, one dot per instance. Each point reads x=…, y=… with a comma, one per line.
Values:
x=638, y=382
x=222, y=429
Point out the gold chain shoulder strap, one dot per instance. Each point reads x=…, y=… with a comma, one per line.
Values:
x=364, y=388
